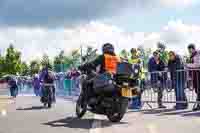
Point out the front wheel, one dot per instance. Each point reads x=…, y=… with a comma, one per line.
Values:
x=117, y=116
x=45, y=104
x=49, y=105
x=81, y=106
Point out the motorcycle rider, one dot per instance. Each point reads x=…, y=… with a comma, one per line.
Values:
x=47, y=77
x=107, y=62
x=162, y=52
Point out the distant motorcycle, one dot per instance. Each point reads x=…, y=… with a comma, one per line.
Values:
x=47, y=95
x=111, y=93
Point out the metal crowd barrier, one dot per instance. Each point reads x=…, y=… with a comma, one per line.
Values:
x=170, y=87
x=64, y=87
x=67, y=87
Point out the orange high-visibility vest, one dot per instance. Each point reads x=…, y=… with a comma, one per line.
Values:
x=111, y=63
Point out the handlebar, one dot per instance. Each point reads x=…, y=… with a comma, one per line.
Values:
x=47, y=85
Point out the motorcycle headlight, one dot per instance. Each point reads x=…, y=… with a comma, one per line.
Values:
x=110, y=81
x=136, y=71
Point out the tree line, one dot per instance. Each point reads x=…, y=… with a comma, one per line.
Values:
x=11, y=62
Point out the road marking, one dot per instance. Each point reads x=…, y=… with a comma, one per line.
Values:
x=26, y=95
x=3, y=112
x=152, y=128
x=96, y=125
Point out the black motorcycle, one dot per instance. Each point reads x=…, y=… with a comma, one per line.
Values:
x=47, y=95
x=108, y=94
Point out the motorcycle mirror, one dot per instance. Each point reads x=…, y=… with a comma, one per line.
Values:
x=83, y=59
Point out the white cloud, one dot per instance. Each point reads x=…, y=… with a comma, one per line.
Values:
x=34, y=42
x=179, y=3
x=178, y=35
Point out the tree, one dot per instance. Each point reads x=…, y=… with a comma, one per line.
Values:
x=90, y=54
x=34, y=67
x=46, y=62
x=12, y=64
x=2, y=63
x=144, y=54
x=24, y=69
x=60, y=58
x=63, y=62
x=59, y=62
x=124, y=54
x=75, y=57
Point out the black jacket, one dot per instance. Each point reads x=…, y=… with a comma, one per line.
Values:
x=176, y=69
x=100, y=60
x=154, y=68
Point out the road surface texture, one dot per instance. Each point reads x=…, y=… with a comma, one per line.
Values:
x=28, y=116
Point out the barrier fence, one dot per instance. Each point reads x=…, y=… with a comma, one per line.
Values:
x=65, y=87
x=182, y=86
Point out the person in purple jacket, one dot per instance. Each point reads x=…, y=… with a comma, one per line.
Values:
x=36, y=85
x=47, y=77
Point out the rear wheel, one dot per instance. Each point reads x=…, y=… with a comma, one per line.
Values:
x=50, y=98
x=81, y=106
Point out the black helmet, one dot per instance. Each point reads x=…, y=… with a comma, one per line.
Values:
x=108, y=48
x=191, y=46
x=156, y=53
x=133, y=50
x=161, y=45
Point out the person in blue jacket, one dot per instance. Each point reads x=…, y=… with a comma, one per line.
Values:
x=156, y=67
x=13, y=87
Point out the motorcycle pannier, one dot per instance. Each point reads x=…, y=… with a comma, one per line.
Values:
x=124, y=68
x=103, y=83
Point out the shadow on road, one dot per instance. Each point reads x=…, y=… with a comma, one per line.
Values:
x=162, y=112
x=71, y=122
x=177, y=112
x=32, y=108
x=156, y=111
x=192, y=114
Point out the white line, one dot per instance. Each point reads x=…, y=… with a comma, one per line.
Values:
x=3, y=112
x=96, y=125
x=26, y=95
x=152, y=128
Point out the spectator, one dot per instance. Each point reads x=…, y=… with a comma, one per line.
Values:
x=178, y=76
x=74, y=74
x=163, y=53
x=134, y=59
x=155, y=65
x=124, y=55
x=13, y=87
x=36, y=85
x=194, y=65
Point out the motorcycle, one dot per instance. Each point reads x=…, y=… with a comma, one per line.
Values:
x=47, y=95
x=111, y=94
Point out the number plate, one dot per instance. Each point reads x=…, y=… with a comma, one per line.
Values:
x=126, y=92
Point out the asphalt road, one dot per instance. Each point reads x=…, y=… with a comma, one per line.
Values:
x=28, y=116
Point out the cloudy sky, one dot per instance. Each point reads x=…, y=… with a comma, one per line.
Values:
x=47, y=26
